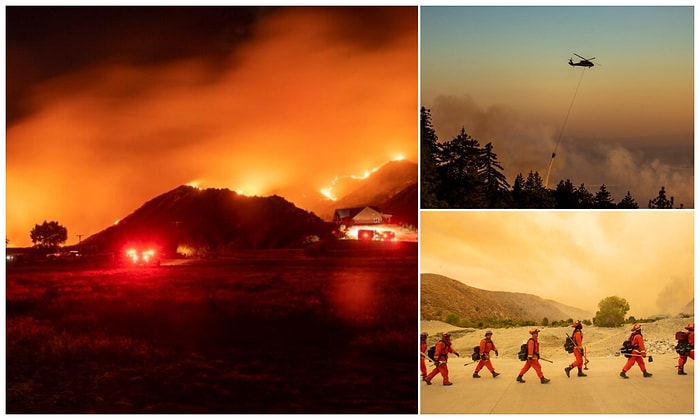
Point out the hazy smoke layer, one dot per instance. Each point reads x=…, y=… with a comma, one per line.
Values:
x=305, y=95
x=639, y=165
x=576, y=258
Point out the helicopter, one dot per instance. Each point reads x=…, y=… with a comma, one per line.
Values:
x=585, y=62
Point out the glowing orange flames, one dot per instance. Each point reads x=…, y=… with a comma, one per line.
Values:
x=328, y=191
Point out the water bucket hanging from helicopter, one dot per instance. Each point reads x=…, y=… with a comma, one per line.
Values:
x=586, y=63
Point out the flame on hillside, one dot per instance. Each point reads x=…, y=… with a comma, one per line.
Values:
x=194, y=184
x=328, y=191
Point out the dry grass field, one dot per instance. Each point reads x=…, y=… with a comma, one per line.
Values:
x=254, y=333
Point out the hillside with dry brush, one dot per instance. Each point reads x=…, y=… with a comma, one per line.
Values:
x=441, y=297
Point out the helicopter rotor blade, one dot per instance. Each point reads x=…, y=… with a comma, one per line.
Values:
x=584, y=58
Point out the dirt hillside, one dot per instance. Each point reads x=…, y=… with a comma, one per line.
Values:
x=441, y=296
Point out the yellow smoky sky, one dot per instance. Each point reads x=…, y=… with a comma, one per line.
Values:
x=575, y=258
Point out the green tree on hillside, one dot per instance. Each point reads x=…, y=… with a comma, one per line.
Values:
x=611, y=312
x=518, y=192
x=452, y=319
x=496, y=186
x=565, y=195
x=603, y=199
x=534, y=195
x=48, y=235
x=661, y=202
x=584, y=197
x=460, y=182
x=429, y=150
x=628, y=202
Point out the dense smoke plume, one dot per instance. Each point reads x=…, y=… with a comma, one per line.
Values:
x=641, y=165
x=275, y=101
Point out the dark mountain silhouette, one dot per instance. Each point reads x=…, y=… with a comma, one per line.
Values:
x=402, y=206
x=441, y=296
x=211, y=219
x=392, y=189
x=208, y=220
x=203, y=221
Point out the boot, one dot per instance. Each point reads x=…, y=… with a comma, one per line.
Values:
x=520, y=379
x=646, y=374
x=567, y=370
x=544, y=380
x=447, y=383
x=494, y=373
x=681, y=372
x=476, y=375
x=427, y=382
x=624, y=375
x=580, y=373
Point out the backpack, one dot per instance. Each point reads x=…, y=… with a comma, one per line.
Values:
x=475, y=355
x=569, y=344
x=683, y=348
x=431, y=352
x=522, y=354
x=626, y=348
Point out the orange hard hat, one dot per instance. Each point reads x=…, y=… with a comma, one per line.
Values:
x=534, y=330
x=690, y=327
x=576, y=323
x=636, y=327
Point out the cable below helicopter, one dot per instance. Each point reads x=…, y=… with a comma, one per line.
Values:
x=585, y=63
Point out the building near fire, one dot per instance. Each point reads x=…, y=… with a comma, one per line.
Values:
x=360, y=216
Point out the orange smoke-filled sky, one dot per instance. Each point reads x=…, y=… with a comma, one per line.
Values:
x=502, y=73
x=575, y=258
x=109, y=107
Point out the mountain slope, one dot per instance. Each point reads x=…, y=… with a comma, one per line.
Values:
x=211, y=219
x=402, y=206
x=689, y=308
x=387, y=181
x=392, y=189
x=441, y=296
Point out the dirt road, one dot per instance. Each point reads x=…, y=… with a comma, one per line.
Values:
x=601, y=392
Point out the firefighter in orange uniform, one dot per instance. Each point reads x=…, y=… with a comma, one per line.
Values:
x=485, y=347
x=442, y=349
x=691, y=342
x=423, y=349
x=638, y=353
x=577, y=338
x=533, y=355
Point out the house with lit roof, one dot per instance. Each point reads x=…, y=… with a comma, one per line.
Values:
x=360, y=216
